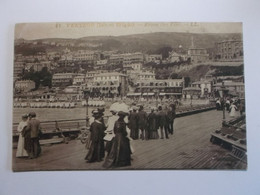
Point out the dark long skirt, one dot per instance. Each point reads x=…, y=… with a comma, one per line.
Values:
x=134, y=133
x=120, y=153
x=96, y=152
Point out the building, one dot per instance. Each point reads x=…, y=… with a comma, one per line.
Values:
x=79, y=79
x=205, y=87
x=176, y=57
x=133, y=58
x=101, y=64
x=160, y=88
x=229, y=50
x=24, y=85
x=146, y=75
x=134, y=66
x=236, y=89
x=86, y=55
x=156, y=58
x=191, y=93
x=126, y=58
x=62, y=79
x=109, y=84
x=197, y=55
x=18, y=69
x=115, y=59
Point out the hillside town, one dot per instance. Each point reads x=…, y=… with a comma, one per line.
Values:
x=74, y=73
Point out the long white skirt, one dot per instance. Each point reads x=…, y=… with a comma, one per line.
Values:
x=21, y=152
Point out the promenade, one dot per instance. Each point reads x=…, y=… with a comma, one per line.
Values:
x=188, y=148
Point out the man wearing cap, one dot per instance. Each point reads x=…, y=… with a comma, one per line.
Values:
x=33, y=128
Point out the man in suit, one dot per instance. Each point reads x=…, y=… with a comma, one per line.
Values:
x=161, y=118
x=142, y=119
x=34, y=129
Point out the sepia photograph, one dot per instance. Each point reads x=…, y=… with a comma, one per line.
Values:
x=129, y=96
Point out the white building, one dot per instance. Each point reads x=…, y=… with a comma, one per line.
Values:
x=110, y=83
x=24, y=85
x=204, y=86
x=135, y=66
x=146, y=75
x=62, y=79
x=79, y=79
x=156, y=58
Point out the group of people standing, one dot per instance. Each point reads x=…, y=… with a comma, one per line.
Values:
x=117, y=145
x=235, y=107
x=29, y=130
x=122, y=127
x=148, y=124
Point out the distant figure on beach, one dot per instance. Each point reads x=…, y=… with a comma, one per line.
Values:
x=96, y=151
x=33, y=129
x=21, y=152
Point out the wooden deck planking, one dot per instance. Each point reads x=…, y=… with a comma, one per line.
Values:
x=188, y=148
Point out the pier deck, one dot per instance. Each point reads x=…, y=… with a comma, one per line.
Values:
x=188, y=148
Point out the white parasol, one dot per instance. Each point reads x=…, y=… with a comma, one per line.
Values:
x=119, y=107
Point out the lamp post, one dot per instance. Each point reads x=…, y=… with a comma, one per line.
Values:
x=222, y=93
x=86, y=95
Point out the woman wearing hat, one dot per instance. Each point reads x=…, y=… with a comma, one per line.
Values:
x=96, y=151
x=21, y=152
x=120, y=154
x=152, y=124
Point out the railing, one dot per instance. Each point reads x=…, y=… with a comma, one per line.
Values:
x=58, y=126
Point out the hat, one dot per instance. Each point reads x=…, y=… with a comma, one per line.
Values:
x=32, y=114
x=25, y=116
x=135, y=108
x=95, y=112
x=122, y=113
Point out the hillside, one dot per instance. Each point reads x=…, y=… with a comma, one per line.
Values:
x=147, y=43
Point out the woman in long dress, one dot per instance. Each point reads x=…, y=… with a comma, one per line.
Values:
x=21, y=152
x=152, y=125
x=233, y=110
x=96, y=151
x=120, y=154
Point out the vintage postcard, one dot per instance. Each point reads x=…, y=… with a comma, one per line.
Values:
x=128, y=96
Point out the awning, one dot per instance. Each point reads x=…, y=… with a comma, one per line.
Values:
x=133, y=94
x=130, y=94
x=148, y=94
x=173, y=93
x=162, y=93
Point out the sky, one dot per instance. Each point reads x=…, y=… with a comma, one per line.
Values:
x=31, y=31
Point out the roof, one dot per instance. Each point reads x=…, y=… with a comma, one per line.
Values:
x=228, y=84
x=201, y=82
x=110, y=74
x=192, y=88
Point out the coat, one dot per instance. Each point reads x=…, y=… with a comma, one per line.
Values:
x=142, y=118
x=161, y=118
x=33, y=127
x=133, y=120
x=97, y=150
